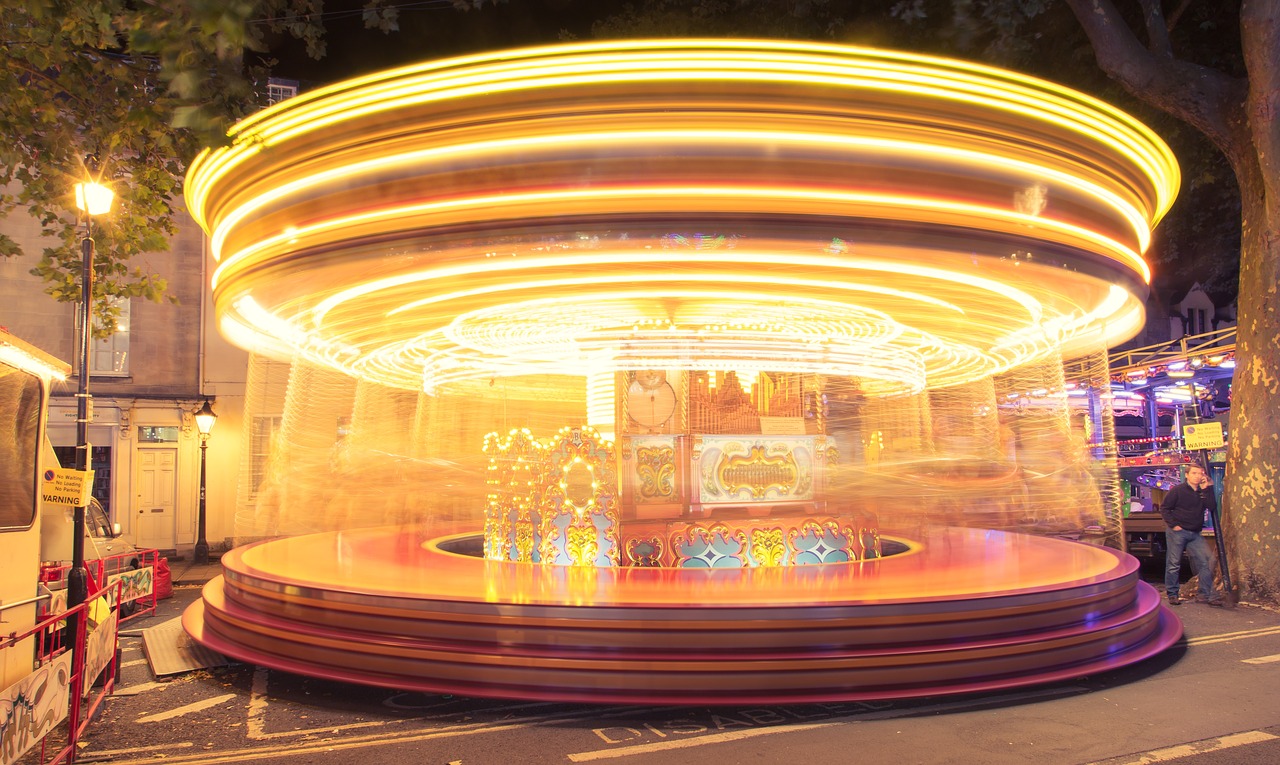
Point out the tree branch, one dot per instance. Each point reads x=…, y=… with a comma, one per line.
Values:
x=1262, y=61
x=54, y=87
x=1157, y=32
x=1204, y=98
x=1176, y=14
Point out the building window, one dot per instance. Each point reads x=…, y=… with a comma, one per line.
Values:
x=158, y=434
x=261, y=437
x=278, y=90
x=109, y=357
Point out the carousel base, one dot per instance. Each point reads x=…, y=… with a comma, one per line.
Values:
x=961, y=610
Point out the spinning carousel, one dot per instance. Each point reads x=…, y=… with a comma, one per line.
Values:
x=749, y=281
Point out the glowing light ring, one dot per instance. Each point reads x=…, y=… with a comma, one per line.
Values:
x=440, y=224
x=543, y=329
x=864, y=149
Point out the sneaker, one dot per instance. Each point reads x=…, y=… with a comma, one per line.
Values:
x=1174, y=600
x=1215, y=602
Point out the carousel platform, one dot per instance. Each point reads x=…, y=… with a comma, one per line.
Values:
x=960, y=610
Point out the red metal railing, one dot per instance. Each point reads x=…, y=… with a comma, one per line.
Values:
x=49, y=640
x=100, y=572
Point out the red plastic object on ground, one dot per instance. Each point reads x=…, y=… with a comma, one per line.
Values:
x=163, y=579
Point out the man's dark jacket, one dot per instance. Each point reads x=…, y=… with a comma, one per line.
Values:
x=1184, y=506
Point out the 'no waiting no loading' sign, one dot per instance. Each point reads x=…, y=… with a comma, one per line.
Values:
x=64, y=486
x=1205, y=435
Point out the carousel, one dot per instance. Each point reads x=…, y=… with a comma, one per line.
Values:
x=729, y=371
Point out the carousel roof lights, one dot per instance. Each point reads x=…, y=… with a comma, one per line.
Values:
x=335, y=216
x=916, y=150
x=715, y=60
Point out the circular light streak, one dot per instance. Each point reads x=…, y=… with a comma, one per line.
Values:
x=709, y=204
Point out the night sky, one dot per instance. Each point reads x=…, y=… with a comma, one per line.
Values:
x=433, y=29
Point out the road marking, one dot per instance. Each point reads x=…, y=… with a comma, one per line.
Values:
x=134, y=663
x=256, y=724
x=255, y=727
x=1227, y=637
x=228, y=757
x=1203, y=746
x=134, y=690
x=269, y=751
x=718, y=738
x=95, y=756
x=1263, y=659
x=196, y=706
x=714, y=738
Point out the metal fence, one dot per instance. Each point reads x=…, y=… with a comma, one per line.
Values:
x=74, y=658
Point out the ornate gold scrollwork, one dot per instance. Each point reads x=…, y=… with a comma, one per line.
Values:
x=524, y=541
x=579, y=517
x=768, y=547
x=580, y=542
x=655, y=473
x=645, y=552
x=515, y=464
x=758, y=472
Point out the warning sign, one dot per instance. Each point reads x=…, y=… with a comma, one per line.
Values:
x=64, y=486
x=1205, y=435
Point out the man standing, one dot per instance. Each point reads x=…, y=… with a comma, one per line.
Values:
x=1183, y=511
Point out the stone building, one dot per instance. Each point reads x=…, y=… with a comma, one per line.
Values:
x=146, y=381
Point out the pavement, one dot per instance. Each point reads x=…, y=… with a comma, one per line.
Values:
x=188, y=572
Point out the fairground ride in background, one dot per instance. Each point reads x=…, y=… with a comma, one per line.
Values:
x=1159, y=391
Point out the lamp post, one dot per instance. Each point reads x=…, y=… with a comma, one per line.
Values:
x=92, y=198
x=205, y=418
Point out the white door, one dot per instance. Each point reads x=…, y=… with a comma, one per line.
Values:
x=157, y=498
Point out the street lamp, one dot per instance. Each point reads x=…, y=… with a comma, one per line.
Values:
x=92, y=199
x=205, y=418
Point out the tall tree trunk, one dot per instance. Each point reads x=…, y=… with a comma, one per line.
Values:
x=1253, y=461
x=1252, y=525
x=1242, y=118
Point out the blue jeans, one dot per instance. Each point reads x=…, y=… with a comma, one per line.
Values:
x=1197, y=550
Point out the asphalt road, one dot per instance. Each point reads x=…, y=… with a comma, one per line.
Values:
x=1211, y=699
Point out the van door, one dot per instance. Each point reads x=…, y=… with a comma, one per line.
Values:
x=157, y=498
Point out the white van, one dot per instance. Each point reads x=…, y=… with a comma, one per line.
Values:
x=102, y=541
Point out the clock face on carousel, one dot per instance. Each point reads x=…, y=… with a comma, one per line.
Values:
x=650, y=400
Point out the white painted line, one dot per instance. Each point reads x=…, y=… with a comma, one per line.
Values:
x=187, y=709
x=133, y=663
x=1263, y=659
x=255, y=727
x=296, y=748
x=715, y=738
x=1203, y=746
x=256, y=724
x=1227, y=637
x=94, y=756
x=841, y=719
x=134, y=690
